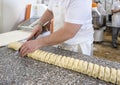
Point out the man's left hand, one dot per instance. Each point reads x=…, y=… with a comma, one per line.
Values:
x=28, y=47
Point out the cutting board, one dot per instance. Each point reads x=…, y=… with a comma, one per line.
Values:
x=12, y=36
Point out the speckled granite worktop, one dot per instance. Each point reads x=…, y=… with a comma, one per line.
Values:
x=15, y=70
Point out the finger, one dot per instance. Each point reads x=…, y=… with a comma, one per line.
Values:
x=25, y=53
x=23, y=50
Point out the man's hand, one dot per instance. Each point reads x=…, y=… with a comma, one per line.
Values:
x=29, y=46
x=35, y=33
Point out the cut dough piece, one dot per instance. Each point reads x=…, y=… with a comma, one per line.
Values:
x=58, y=60
x=52, y=59
x=15, y=45
x=43, y=56
x=113, y=76
x=70, y=63
x=118, y=77
x=62, y=62
x=84, y=67
x=107, y=74
x=101, y=73
x=67, y=59
x=90, y=69
x=39, y=57
x=75, y=65
x=35, y=55
x=95, y=71
x=80, y=67
x=47, y=57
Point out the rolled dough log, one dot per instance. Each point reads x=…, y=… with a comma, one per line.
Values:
x=15, y=45
x=108, y=74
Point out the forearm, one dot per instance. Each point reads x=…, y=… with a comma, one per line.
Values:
x=59, y=36
x=47, y=16
x=115, y=11
x=55, y=38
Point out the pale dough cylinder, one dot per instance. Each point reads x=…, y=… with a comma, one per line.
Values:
x=90, y=69
x=118, y=77
x=80, y=69
x=15, y=45
x=84, y=67
x=95, y=71
x=113, y=76
x=66, y=61
x=101, y=73
x=107, y=74
x=70, y=63
x=58, y=60
x=75, y=65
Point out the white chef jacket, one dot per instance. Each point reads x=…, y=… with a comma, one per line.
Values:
x=116, y=16
x=76, y=12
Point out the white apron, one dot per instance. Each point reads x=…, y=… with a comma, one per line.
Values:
x=84, y=47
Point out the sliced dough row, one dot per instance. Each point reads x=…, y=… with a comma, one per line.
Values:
x=104, y=73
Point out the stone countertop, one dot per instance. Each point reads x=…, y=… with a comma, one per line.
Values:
x=16, y=70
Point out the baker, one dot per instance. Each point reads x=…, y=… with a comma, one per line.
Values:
x=73, y=28
x=115, y=22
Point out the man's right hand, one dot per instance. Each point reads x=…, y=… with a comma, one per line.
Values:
x=35, y=33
